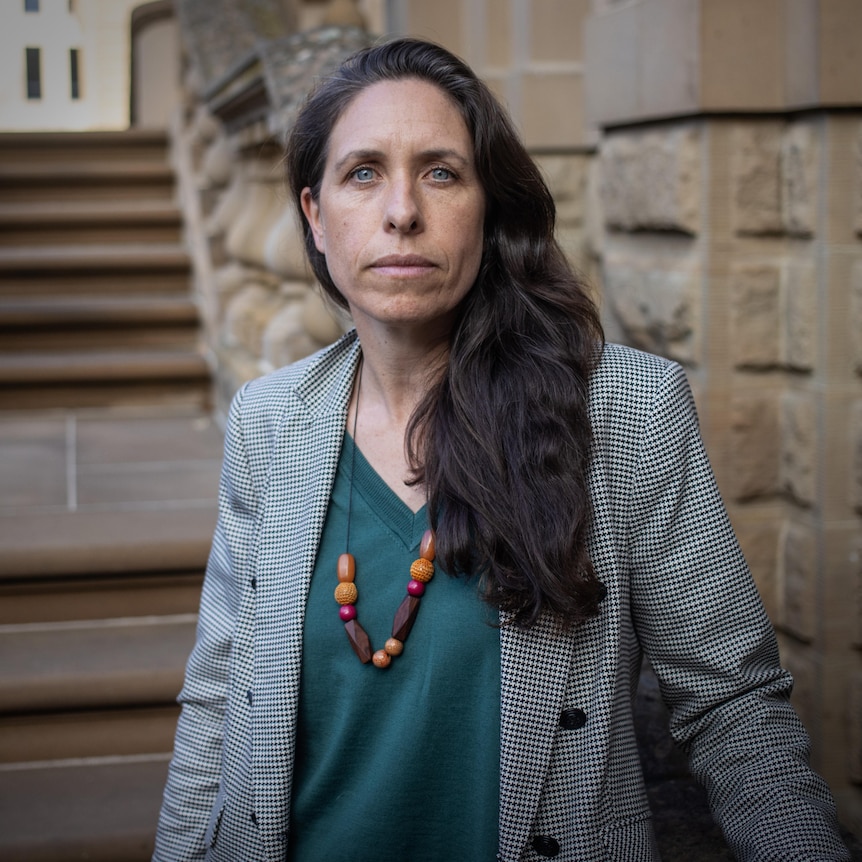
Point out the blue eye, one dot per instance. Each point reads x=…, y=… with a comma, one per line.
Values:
x=363, y=175
x=441, y=174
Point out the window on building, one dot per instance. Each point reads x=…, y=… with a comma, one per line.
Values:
x=34, y=73
x=74, y=73
x=31, y=5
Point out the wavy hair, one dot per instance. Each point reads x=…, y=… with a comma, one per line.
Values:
x=501, y=441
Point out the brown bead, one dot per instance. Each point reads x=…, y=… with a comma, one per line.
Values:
x=346, y=568
x=427, y=545
x=346, y=594
x=359, y=641
x=405, y=616
x=394, y=646
x=422, y=570
x=381, y=658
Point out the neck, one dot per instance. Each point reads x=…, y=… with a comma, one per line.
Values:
x=397, y=370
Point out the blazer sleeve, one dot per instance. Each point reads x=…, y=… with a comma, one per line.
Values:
x=189, y=812
x=700, y=620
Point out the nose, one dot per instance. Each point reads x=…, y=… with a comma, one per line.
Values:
x=403, y=210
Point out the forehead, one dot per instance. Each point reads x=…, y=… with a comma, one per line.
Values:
x=403, y=113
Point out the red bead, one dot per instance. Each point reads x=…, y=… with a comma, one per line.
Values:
x=416, y=588
x=347, y=613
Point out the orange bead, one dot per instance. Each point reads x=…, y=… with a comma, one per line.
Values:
x=427, y=545
x=346, y=568
x=394, y=646
x=346, y=594
x=422, y=570
x=381, y=658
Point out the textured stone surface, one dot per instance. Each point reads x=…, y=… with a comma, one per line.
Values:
x=854, y=728
x=756, y=315
x=652, y=180
x=858, y=181
x=856, y=437
x=797, y=578
x=657, y=309
x=217, y=33
x=799, y=179
x=773, y=315
x=800, y=327
x=247, y=315
x=798, y=447
x=754, y=429
x=855, y=317
x=756, y=178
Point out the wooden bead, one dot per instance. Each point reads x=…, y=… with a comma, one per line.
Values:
x=422, y=570
x=346, y=568
x=394, y=646
x=359, y=640
x=381, y=658
x=405, y=616
x=426, y=546
x=346, y=593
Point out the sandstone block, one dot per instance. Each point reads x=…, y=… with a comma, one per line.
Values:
x=858, y=194
x=651, y=180
x=773, y=315
x=855, y=317
x=754, y=428
x=323, y=321
x=284, y=249
x=800, y=327
x=658, y=309
x=566, y=177
x=798, y=447
x=262, y=205
x=216, y=164
x=759, y=541
x=856, y=471
x=285, y=339
x=799, y=179
x=756, y=178
x=756, y=316
x=854, y=729
x=247, y=315
x=797, y=575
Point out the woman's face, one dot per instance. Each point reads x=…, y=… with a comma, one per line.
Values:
x=400, y=211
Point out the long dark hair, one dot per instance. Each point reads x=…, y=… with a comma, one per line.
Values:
x=501, y=441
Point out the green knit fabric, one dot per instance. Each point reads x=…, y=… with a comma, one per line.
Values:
x=402, y=764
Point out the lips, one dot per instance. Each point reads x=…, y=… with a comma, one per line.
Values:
x=402, y=261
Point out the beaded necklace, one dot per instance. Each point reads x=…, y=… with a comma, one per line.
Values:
x=346, y=594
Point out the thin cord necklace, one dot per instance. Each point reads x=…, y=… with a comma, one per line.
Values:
x=346, y=594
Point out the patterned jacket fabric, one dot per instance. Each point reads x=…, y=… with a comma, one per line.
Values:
x=570, y=780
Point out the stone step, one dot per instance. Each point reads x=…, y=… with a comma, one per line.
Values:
x=87, y=733
x=100, y=809
x=117, y=260
x=134, y=144
x=60, y=367
x=93, y=664
x=93, y=222
x=51, y=284
x=62, y=312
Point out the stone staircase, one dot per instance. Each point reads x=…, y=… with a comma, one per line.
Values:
x=109, y=466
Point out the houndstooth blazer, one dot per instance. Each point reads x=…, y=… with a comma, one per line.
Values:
x=570, y=780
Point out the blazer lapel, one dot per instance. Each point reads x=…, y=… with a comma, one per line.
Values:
x=304, y=461
x=535, y=665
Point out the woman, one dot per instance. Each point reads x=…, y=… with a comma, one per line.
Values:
x=575, y=522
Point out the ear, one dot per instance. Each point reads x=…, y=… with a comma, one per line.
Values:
x=311, y=210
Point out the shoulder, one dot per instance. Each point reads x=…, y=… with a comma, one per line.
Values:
x=629, y=388
x=313, y=384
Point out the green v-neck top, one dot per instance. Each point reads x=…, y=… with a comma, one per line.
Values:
x=401, y=764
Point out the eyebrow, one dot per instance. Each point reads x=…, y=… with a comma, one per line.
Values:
x=364, y=155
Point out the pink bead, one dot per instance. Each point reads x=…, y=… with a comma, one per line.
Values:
x=347, y=613
x=416, y=588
